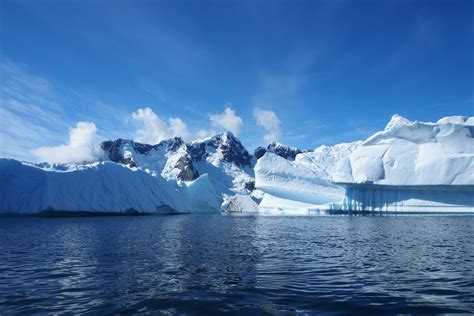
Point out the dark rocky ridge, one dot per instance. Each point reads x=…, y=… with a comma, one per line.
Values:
x=231, y=148
x=278, y=149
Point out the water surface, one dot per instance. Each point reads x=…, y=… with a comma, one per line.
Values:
x=211, y=264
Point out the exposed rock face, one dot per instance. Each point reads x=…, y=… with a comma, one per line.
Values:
x=250, y=185
x=113, y=150
x=175, y=159
x=281, y=150
x=227, y=144
x=134, y=154
x=259, y=152
x=187, y=171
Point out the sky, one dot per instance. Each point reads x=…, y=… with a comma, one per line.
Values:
x=303, y=73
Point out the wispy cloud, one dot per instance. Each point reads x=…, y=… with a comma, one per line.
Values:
x=276, y=88
x=29, y=111
x=270, y=122
x=35, y=113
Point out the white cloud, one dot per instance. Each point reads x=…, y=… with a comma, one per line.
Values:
x=155, y=129
x=78, y=149
x=270, y=122
x=202, y=133
x=228, y=120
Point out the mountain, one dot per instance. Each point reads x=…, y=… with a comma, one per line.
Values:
x=281, y=150
x=410, y=166
x=170, y=158
x=222, y=157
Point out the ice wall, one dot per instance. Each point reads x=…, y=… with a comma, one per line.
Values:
x=407, y=199
x=98, y=187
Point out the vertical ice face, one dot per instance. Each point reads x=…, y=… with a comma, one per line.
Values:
x=203, y=197
x=97, y=187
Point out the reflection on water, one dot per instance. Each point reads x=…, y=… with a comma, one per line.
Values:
x=243, y=264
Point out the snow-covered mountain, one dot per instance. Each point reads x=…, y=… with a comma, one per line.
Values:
x=222, y=157
x=281, y=150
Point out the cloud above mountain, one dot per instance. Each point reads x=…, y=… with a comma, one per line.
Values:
x=153, y=129
x=80, y=147
x=270, y=122
x=228, y=120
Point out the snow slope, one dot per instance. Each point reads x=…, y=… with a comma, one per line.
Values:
x=97, y=187
x=240, y=203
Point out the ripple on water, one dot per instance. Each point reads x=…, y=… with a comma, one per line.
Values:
x=211, y=264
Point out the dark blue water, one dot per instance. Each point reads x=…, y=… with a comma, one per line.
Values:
x=211, y=264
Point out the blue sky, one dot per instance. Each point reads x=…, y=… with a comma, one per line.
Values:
x=318, y=72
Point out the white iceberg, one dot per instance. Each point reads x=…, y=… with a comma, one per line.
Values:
x=416, y=153
x=407, y=167
x=293, y=187
x=102, y=187
x=203, y=197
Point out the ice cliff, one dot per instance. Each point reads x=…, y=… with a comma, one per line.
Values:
x=104, y=187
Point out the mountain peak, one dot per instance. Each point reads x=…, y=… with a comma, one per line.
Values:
x=227, y=144
x=281, y=150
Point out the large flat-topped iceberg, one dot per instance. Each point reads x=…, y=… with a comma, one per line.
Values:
x=410, y=166
x=415, y=153
x=102, y=187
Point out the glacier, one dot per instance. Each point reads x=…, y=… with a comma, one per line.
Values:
x=410, y=166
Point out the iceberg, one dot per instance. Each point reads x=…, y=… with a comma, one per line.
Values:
x=410, y=166
x=203, y=197
x=416, y=153
x=292, y=187
x=101, y=187
x=413, y=167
